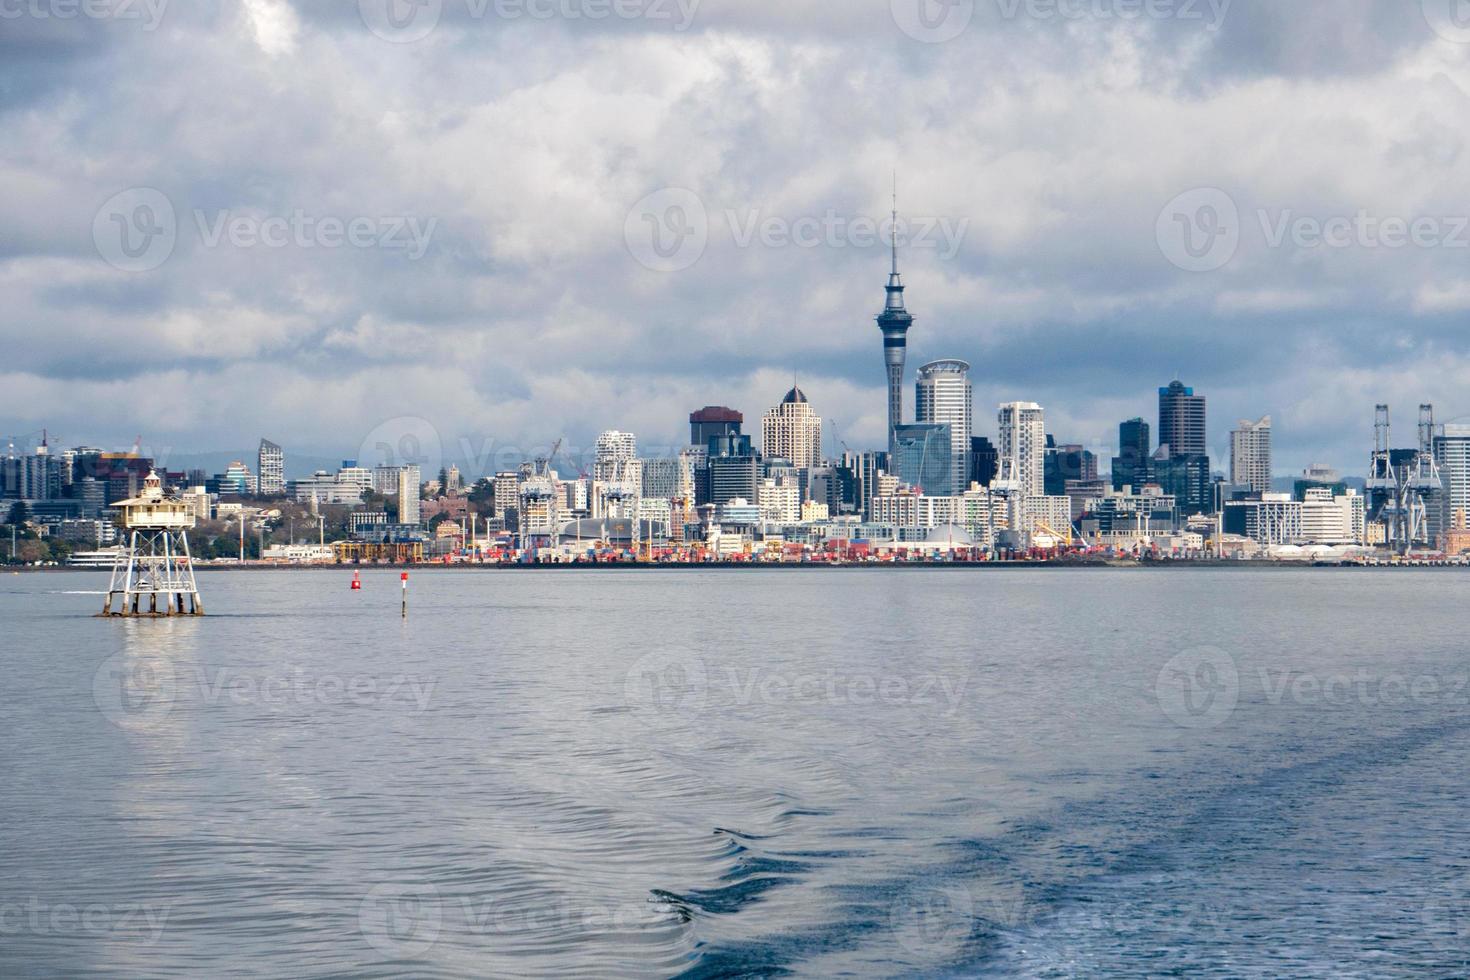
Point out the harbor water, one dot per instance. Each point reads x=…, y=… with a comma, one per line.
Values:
x=862, y=772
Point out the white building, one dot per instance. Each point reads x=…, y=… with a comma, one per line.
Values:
x=408, y=494
x=1053, y=512
x=943, y=395
x=271, y=468
x=1250, y=454
x=1022, y=446
x=780, y=501
x=792, y=431
x=1333, y=520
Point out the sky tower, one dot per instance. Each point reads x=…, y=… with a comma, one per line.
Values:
x=895, y=321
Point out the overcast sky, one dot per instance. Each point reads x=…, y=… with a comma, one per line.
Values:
x=493, y=223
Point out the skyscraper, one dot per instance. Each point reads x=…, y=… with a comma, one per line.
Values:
x=1133, y=466
x=791, y=431
x=923, y=459
x=1452, y=453
x=895, y=321
x=1250, y=454
x=1022, y=446
x=408, y=494
x=942, y=395
x=271, y=468
x=1182, y=420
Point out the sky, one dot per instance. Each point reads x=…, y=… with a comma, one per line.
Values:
x=479, y=226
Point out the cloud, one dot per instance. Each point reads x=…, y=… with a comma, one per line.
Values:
x=1052, y=141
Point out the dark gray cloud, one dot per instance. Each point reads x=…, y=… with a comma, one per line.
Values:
x=493, y=168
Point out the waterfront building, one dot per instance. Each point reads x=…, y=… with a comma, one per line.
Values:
x=1182, y=420
x=793, y=431
x=1250, y=454
x=942, y=395
x=1333, y=519
x=1022, y=446
x=271, y=469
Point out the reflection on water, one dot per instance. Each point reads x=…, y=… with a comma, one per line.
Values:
x=654, y=773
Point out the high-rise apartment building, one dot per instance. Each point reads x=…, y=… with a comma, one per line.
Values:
x=271, y=468
x=1022, y=446
x=1452, y=453
x=792, y=431
x=942, y=396
x=1250, y=455
x=408, y=494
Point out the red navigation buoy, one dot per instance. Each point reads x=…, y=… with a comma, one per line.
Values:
x=356, y=582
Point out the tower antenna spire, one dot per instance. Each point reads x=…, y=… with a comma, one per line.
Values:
x=893, y=232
